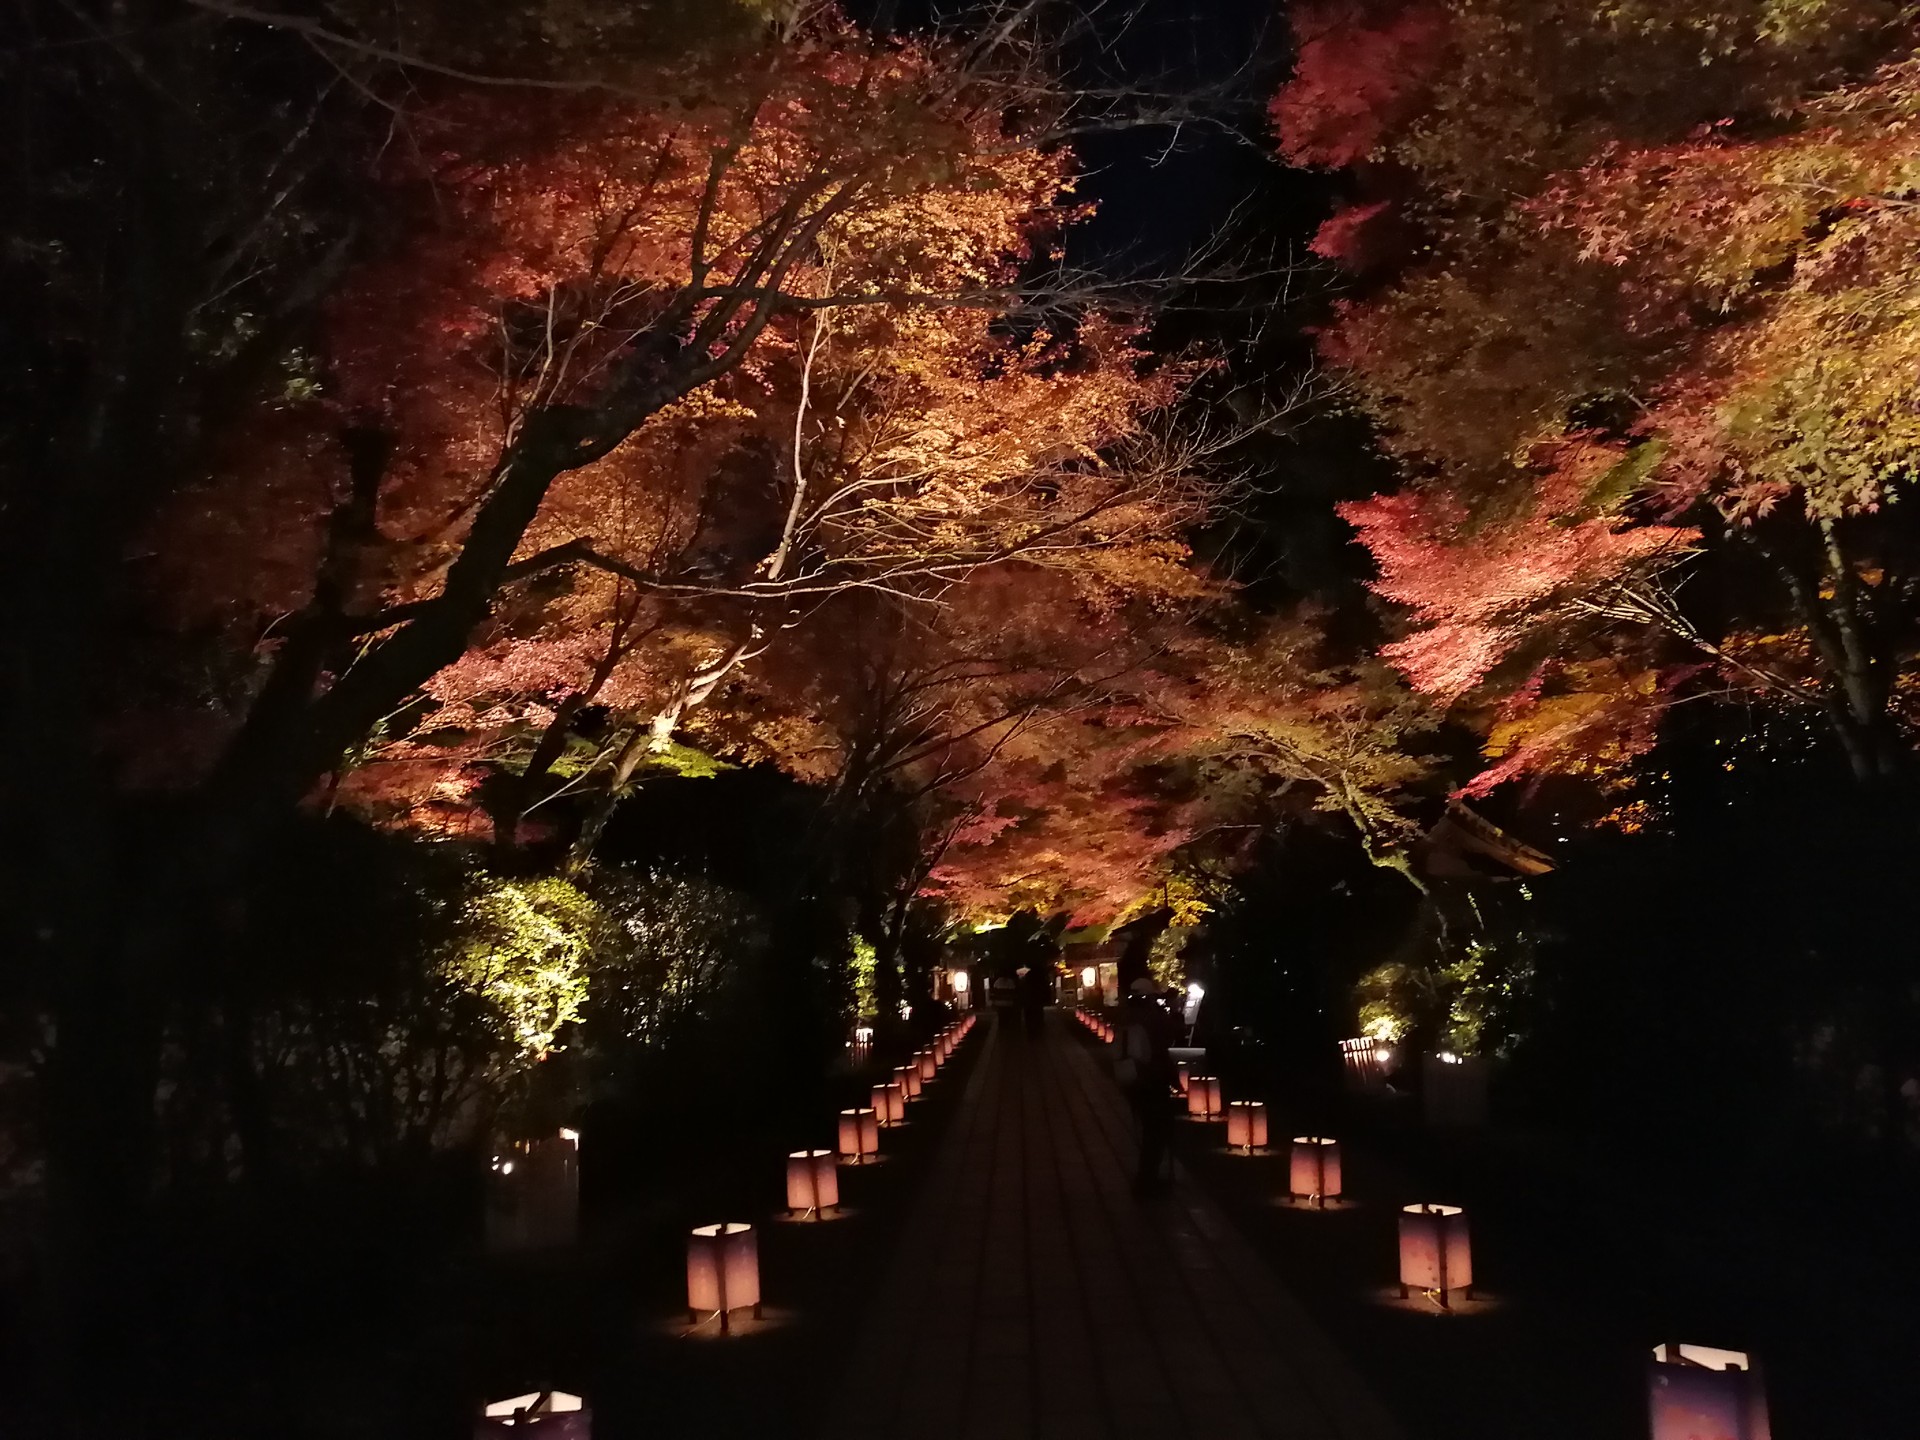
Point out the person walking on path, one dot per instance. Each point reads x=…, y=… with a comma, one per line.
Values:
x=1145, y=1071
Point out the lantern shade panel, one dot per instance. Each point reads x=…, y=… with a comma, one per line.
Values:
x=928, y=1064
x=907, y=1077
x=539, y=1415
x=1247, y=1125
x=1185, y=1072
x=1434, y=1252
x=889, y=1103
x=723, y=1270
x=1313, y=1168
x=859, y=1135
x=1203, y=1097
x=1698, y=1393
x=813, y=1181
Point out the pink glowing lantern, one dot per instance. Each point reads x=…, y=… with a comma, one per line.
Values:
x=890, y=1103
x=907, y=1077
x=1185, y=1073
x=540, y=1415
x=1313, y=1169
x=723, y=1272
x=813, y=1182
x=1203, y=1097
x=928, y=1065
x=1247, y=1126
x=859, y=1136
x=1697, y=1393
x=1434, y=1253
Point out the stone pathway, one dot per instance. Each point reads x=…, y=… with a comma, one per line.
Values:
x=1033, y=1296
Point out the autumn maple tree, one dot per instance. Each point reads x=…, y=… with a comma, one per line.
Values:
x=1635, y=329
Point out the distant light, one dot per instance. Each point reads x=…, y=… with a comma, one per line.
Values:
x=1447, y=1057
x=566, y=1134
x=1088, y=976
x=1021, y=972
x=1196, y=991
x=506, y=1167
x=960, y=982
x=1384, y=1054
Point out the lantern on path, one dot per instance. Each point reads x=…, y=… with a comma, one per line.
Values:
x=1185, y=1072
x=1203, y=1097
x=1247, y=1126
x=928, y=1065
x=907, y=1077
x=890, y=1103
x=723, y=1272
x=813, y=1182
x=1694, y=1391
x=1313, y=1170
x=1434, y=1254
x=859, y=1136
x=541, y=1415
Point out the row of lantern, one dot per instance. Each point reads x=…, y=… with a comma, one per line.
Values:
x=1692, y=1390
x=534, y=1201
x=1100, y=1028
x=723, y=1261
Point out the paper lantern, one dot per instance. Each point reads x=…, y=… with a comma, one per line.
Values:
x=1088, y=976
x=545, y=1414
x=1185, y=1072
x=907, y=1077
x=928, y=1065
x=1697, y=1393
x=889, y=1103
x=859, y=1136
x=1313, y=1171
x=1434, y=1254
x=1247, y=1126
x=1203, y=1097
x=723, y=1272
x=533, y=1194
x=813, y=1182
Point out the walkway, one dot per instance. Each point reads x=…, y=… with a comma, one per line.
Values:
x=1033, y=1296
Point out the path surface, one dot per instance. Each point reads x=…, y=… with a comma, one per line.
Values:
x=1033, y=1296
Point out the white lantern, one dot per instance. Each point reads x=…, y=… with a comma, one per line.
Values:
x=540, y=1415
x=1247, y=1126
x=1694, y=1391
x=1313, y=1169
x=890, y=1103
x=1434, y=1253
x=960, y=982
x=1203, y=1097
x=533, y=1194
x=723, y=1272
x=859, y=1136
x=907, y=1077
x=813, y=1182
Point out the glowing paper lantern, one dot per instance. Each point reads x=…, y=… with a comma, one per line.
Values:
x=547, y=1414
x=723, y=1272
x=1434, y=1254
x=890, y=1103
x=1247, y=1126
x=1313, y=1170
x=859, y=1136
x=907, y=1077
x=1185, y=1072
x=1203, y=1097
x=1697, y=1393
x=928, y=1065
x=533, y=1194
x=813, y=1182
